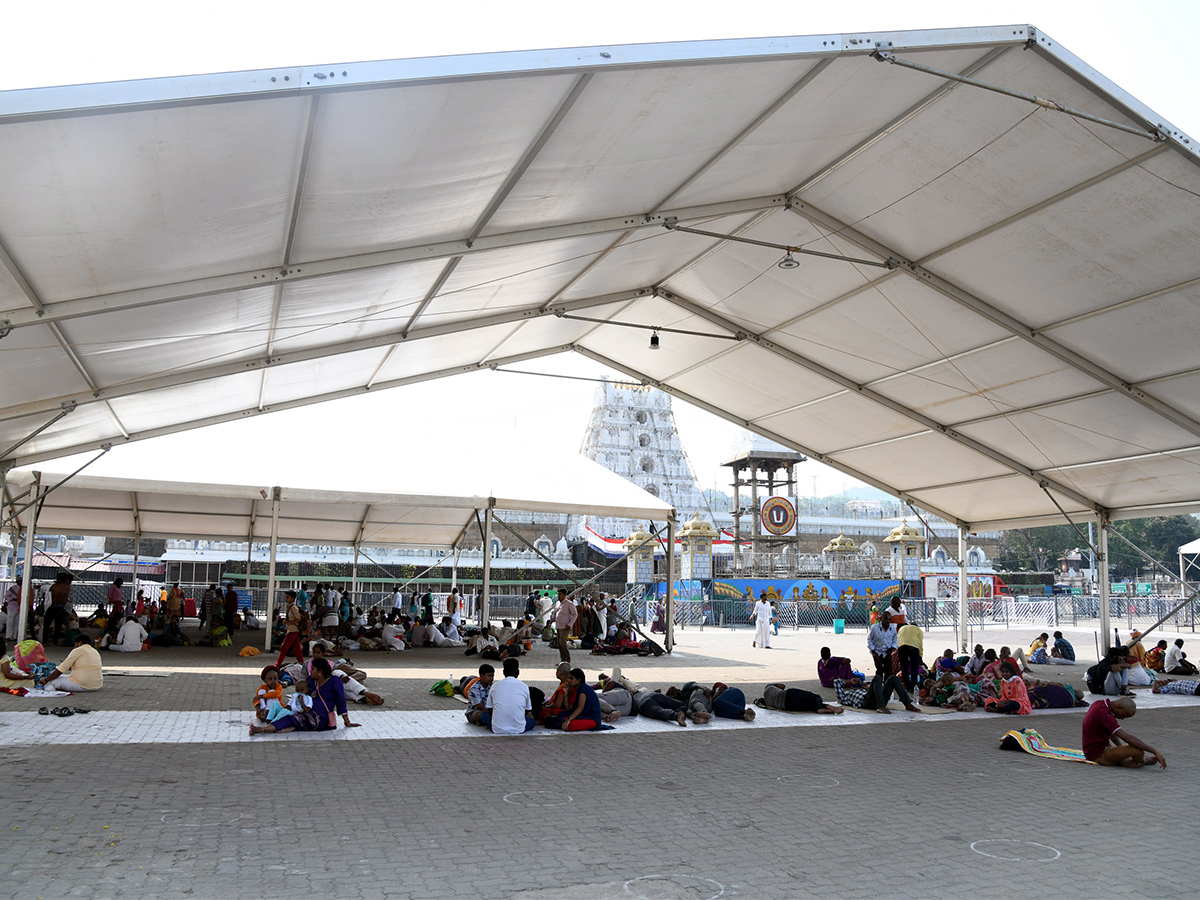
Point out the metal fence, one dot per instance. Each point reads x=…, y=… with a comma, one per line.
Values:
x=999, y=612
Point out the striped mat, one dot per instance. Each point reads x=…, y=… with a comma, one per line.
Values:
x=1032, y=742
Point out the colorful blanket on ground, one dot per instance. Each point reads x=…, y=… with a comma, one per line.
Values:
x=1031, y=742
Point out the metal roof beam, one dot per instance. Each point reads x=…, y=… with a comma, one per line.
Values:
x=917, y=108
x=189, y=376
x=255, y=278
x=996, y=316
x=881, y=399
x=252, y=411
x=745, y=423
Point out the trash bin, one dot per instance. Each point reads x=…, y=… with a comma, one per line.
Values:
x=839, y=626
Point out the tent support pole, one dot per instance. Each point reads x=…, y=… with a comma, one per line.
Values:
x=354, y=574
x=670, y=623
x=137, y=547
x=962, y=588
x=249, y=546
x=27, y=572
x=485, y=600
x=276, y=493
x=1102, y=559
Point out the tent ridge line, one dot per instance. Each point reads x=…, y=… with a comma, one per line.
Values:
x=997, y=317
x=876, y=397
x=785, y=441
x=283, y=82
x=250, y=279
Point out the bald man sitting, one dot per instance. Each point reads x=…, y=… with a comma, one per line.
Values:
x=1107, y=743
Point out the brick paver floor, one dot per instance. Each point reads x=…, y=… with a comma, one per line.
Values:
x=924, y=806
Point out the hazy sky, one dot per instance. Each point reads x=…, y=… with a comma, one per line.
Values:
x=1143, y=47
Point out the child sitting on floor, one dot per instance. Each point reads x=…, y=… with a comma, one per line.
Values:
x=269, y=690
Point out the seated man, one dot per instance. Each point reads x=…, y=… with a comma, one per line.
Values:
x=477, y=695
x=830, y=668
x=780, y=696
x=857, y=695
x=1176, y=662
x=1063, y=646
x=450, y=630
x=510, y=703
x=392, y=636
x=1157, y=657
x=1167, y=686
x=977, y=662
x=1107, y=743
x=80, y=671
x=130, y=638
x=442, y=638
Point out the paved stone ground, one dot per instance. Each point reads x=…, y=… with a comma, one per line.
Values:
x=926, y=807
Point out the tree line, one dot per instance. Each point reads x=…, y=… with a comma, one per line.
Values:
x=1038, y=549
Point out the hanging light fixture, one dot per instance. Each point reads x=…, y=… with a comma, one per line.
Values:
x=789, y=262
x=654, y=340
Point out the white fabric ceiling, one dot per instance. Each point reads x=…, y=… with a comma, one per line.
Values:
x=184, y=251
x=346, y=505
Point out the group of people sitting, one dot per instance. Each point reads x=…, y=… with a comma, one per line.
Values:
x=510, y=706
x=26, y=667
x=310, y=696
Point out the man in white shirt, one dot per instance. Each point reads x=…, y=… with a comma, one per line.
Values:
x=392, y=635
x=976, y=663
x=509, y=702
x=130, y=637
x=762, y=623
x=881, y=641
x=398, y=601
x=1176, y=662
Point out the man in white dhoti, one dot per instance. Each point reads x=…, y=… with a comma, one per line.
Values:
x=762, y=624
x=130, y=638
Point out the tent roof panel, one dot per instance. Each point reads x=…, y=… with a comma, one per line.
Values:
x=388, y=166
x=150, y=196
x=517, y=174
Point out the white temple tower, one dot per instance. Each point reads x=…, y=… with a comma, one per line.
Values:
x=632, y=432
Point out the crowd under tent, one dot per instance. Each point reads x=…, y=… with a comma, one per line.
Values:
x=350, y=506
x=958, y=265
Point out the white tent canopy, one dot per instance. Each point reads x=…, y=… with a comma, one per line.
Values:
x=341, y=511
x=347, y=505
x=1018, y=331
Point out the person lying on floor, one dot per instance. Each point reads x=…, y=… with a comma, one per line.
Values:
x=1167, y=686
x=347, y=674
x=697, y=700
x=856, y=694
x=780, y=696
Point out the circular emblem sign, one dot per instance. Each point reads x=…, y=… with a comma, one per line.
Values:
x=778, y=515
